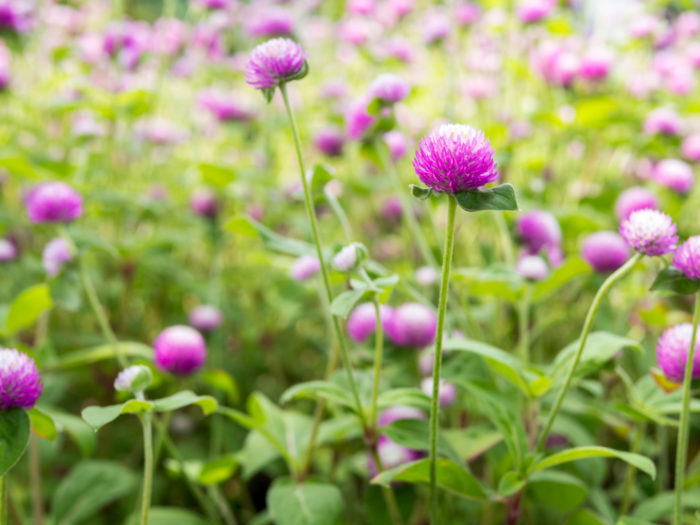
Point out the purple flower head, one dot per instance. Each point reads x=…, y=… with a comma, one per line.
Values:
x=224, y=107
x=396, y=142
x=436, y=27
x=53, y=202
x=391, y=455
x=304, y=267
x=691, y=147
x=389, y=88
x=650, y=232
x=159, y=130
x=274, y=62
x=467, y=13
x=687, y=258
x=358, y=120
x=330, y=141
x=16, y=15
x=361, y=7
x=4, y=66
x=633, y=199
x=455, y=157
x=412, y=325
x=348, y=258
x=56, y=253
x=605, y=251
x=674, y=174
x=538, y=229
x=672, y=352
x=204, y=203
x=8, y=251
x=216, y=4
x=206, y=317
x=399, y=412
x=596, y=63
x=663, y=120
x=363, y=321
x=20, y=384
x=135, y=378
x=447, y=393
x=532, y=267
x=529, y=11
x=426, y=275
x=271, y=22
x=179, y=350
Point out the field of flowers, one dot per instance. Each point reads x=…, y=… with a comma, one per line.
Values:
x=325, y=262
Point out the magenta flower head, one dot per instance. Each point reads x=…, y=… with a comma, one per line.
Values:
x=530, y=11
x=223, y=106
x=274, y=62
x=330, y=141
x=206, y=317
x=538, y=229
x=663, y=120
x=363, y=321
x=649, y=232
x=391, y=455
x=532, y=267
x=691, y=147
x=389, y=88
x=271, y=22
x=396, y=142
x=8, y=251
x=179, y=350
x=605, y=251
x=357, y=120
x=674, y=174
x=596, y=63
x=304, y=267
x=412, y=325
x=687, y=258
x=204, y=203
x=672, y=352
x=633, y=199
x=20, y=384
x=53, y=202
x=5, y=73
x=56, y=253
x=447, y=393
x=455, y=157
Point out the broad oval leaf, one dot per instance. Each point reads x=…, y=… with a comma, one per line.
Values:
x=308, y=503
x=451, y=477
x=319, y=389
x=673, y=280
x=14, y=437
x=414, y=434
x=98, y=417
x=573, y=454
x=343, y=304
x=43, y=424
x=497, y=198
x=182, y=399
x=27, y=307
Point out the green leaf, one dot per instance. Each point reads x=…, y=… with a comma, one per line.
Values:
x=218, y=470
x=319, y=389
x=98, y=417
x=14, y=437
x=343, y=304
x=600, y=348
x=319, y=176
x=673, y=280
x=510, y=483
x=242, y=226
x=89, y=487
x=272, y=240
x=636, y=460
x=42, y=424
x=268, y=93
x=497, y=198
x=415, y=434
x=403, y=396
x=451, y=477
x=494, y=281
x=570, y=269
x=27, y=307
x=216, y=175
x=77, y=429
x=169, y=516
x=182, y=399
x=308, y=503
x=96, y=354
x=419, y=192
x=557, y=490
x=221, y=380
x=660, y=506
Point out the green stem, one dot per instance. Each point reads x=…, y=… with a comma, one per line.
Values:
x=684, y=426
x=378, y=349
x=588, y=323
x=389, y=496
x=442, y=306
x=146, y=422
x=524, y=326
x=506, y=243
x=35, y=480
x=319, y=252
x=340, y=212
x=631, y=471
x=3, y=500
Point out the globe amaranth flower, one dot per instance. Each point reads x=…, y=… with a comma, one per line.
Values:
x=672, y=352
x=53, y=202
x=426, y=275
x=204, y=203
x=663, y=120
x=596, y=63
x=56, y=253
x=363, y=321
x=8, y=251
x=532, y=267
x=330, y=141
x=224, y=107
x=649, y=232
x=455, y=157
x=633, y=199
x=538, y=229
x=396, y=142
x=529, y=11
x=304, y=267
x=270, y=22
x=349, y=257
x=605, y=251
x=690, y=148
x=274, y=62
x=687, y=258
x=389, y=88
x=412, y=325
x=20, y=384
x=391, y=455
x=135, y=378
x=674, y=174
x=180, y=350
x=447, y=393
x=206, y=317
x=357, y=120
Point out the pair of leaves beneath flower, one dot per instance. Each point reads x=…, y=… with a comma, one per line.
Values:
x=97, y=417
x=673, y=280
x=501, y=197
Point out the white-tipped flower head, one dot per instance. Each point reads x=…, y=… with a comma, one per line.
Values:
x=134, y=379
x=649, y=232
x=349, y=257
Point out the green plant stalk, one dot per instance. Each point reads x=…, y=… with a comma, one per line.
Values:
x=684, y=425
x=524, y=326
x=3, y=500
x=389, y=496
x=631, y=471
x=319, y=252
x=147, y=424
x=588, y=323
x=35, y=480
x=437, y=365
x=378, y=350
